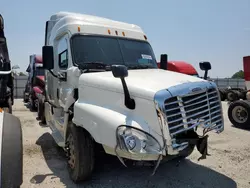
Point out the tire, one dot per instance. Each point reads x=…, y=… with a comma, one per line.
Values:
x=186, y=152
x=25, y=99
x=32, y=104
x=10, y=105
x=181, y=156
x=12, y=152
x=222, y=95
x=83, y=146
x=243, y=95
x=232, y=96
x=239, y=118
x=40, y=111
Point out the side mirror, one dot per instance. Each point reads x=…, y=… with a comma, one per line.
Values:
x=205, y=66
x=164, y=61
x=48, y=57
x=119, y=71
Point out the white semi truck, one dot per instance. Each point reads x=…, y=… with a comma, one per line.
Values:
x=103, y=88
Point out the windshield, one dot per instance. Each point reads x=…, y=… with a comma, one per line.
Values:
x=110, y=50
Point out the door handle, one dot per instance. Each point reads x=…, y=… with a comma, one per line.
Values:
x=62, y=76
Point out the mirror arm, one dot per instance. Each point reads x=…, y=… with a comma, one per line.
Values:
x=53, y=73
x=129, y=102
x=205, y=75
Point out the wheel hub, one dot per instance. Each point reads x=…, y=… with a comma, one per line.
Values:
x=70, y=151
x=240, y=114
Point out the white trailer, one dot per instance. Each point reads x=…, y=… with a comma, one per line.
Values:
x=103, y=88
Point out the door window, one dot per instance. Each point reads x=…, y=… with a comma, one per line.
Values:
x=63, y=53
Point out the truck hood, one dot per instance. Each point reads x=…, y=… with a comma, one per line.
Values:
x=141, y=83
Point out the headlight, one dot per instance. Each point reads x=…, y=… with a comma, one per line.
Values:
x=136, y=141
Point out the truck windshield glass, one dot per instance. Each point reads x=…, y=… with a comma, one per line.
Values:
x=110, y=50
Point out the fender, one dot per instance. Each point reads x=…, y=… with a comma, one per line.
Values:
x=102, y=122
x=11, y=152
x=37, y=89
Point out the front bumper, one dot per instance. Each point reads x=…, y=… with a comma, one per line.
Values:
x=199, y=137
x=201, y=129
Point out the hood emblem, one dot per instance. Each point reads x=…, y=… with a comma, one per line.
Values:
x=196, y=89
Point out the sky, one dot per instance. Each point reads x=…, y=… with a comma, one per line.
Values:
x=217, y=31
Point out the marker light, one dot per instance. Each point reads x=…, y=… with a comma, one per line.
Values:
x=123, y=33
x=79, y=29
x=145, y=37
x=116, y=32
x=109, y=31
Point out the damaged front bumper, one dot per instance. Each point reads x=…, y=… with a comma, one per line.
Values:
x=136, y=144
x=140, y=145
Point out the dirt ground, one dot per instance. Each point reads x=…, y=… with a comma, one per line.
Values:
x=227, y=167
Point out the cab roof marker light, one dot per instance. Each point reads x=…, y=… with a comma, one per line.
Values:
x=123, y=33
x=116, y=32
x=109, y=31
x=78, y=28
x=145, y=37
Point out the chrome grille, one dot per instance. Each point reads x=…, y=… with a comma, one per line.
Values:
x=182, y=112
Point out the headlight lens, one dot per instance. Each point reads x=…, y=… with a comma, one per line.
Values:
x=136, y=141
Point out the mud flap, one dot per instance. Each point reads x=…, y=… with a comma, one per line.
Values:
x=201, y=146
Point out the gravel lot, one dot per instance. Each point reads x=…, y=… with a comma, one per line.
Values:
x=228, y=166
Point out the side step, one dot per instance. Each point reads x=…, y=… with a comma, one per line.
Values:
x=57, y=136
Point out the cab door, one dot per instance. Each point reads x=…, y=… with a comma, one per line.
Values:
x=55, y=84
x=62, y=73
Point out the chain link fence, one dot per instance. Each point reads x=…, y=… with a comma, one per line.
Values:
x=229, y=82
x=19, y=86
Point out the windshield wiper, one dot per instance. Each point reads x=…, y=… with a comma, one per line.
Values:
x=93, y=65
x=139, y=66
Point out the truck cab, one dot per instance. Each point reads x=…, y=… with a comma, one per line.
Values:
x=103, y=88
x=6, y=76
x=35, y=83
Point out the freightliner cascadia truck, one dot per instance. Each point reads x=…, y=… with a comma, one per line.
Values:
x=103, y=88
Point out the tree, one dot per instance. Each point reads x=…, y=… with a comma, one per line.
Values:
x=238, y=75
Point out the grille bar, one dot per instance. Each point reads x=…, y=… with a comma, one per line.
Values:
x=194, y=99
x=183, y=111
x=186, y=123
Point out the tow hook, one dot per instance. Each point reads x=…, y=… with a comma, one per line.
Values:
x=201, y=145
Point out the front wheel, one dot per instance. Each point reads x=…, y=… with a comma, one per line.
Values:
x=239, y=114
x=80, y=153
